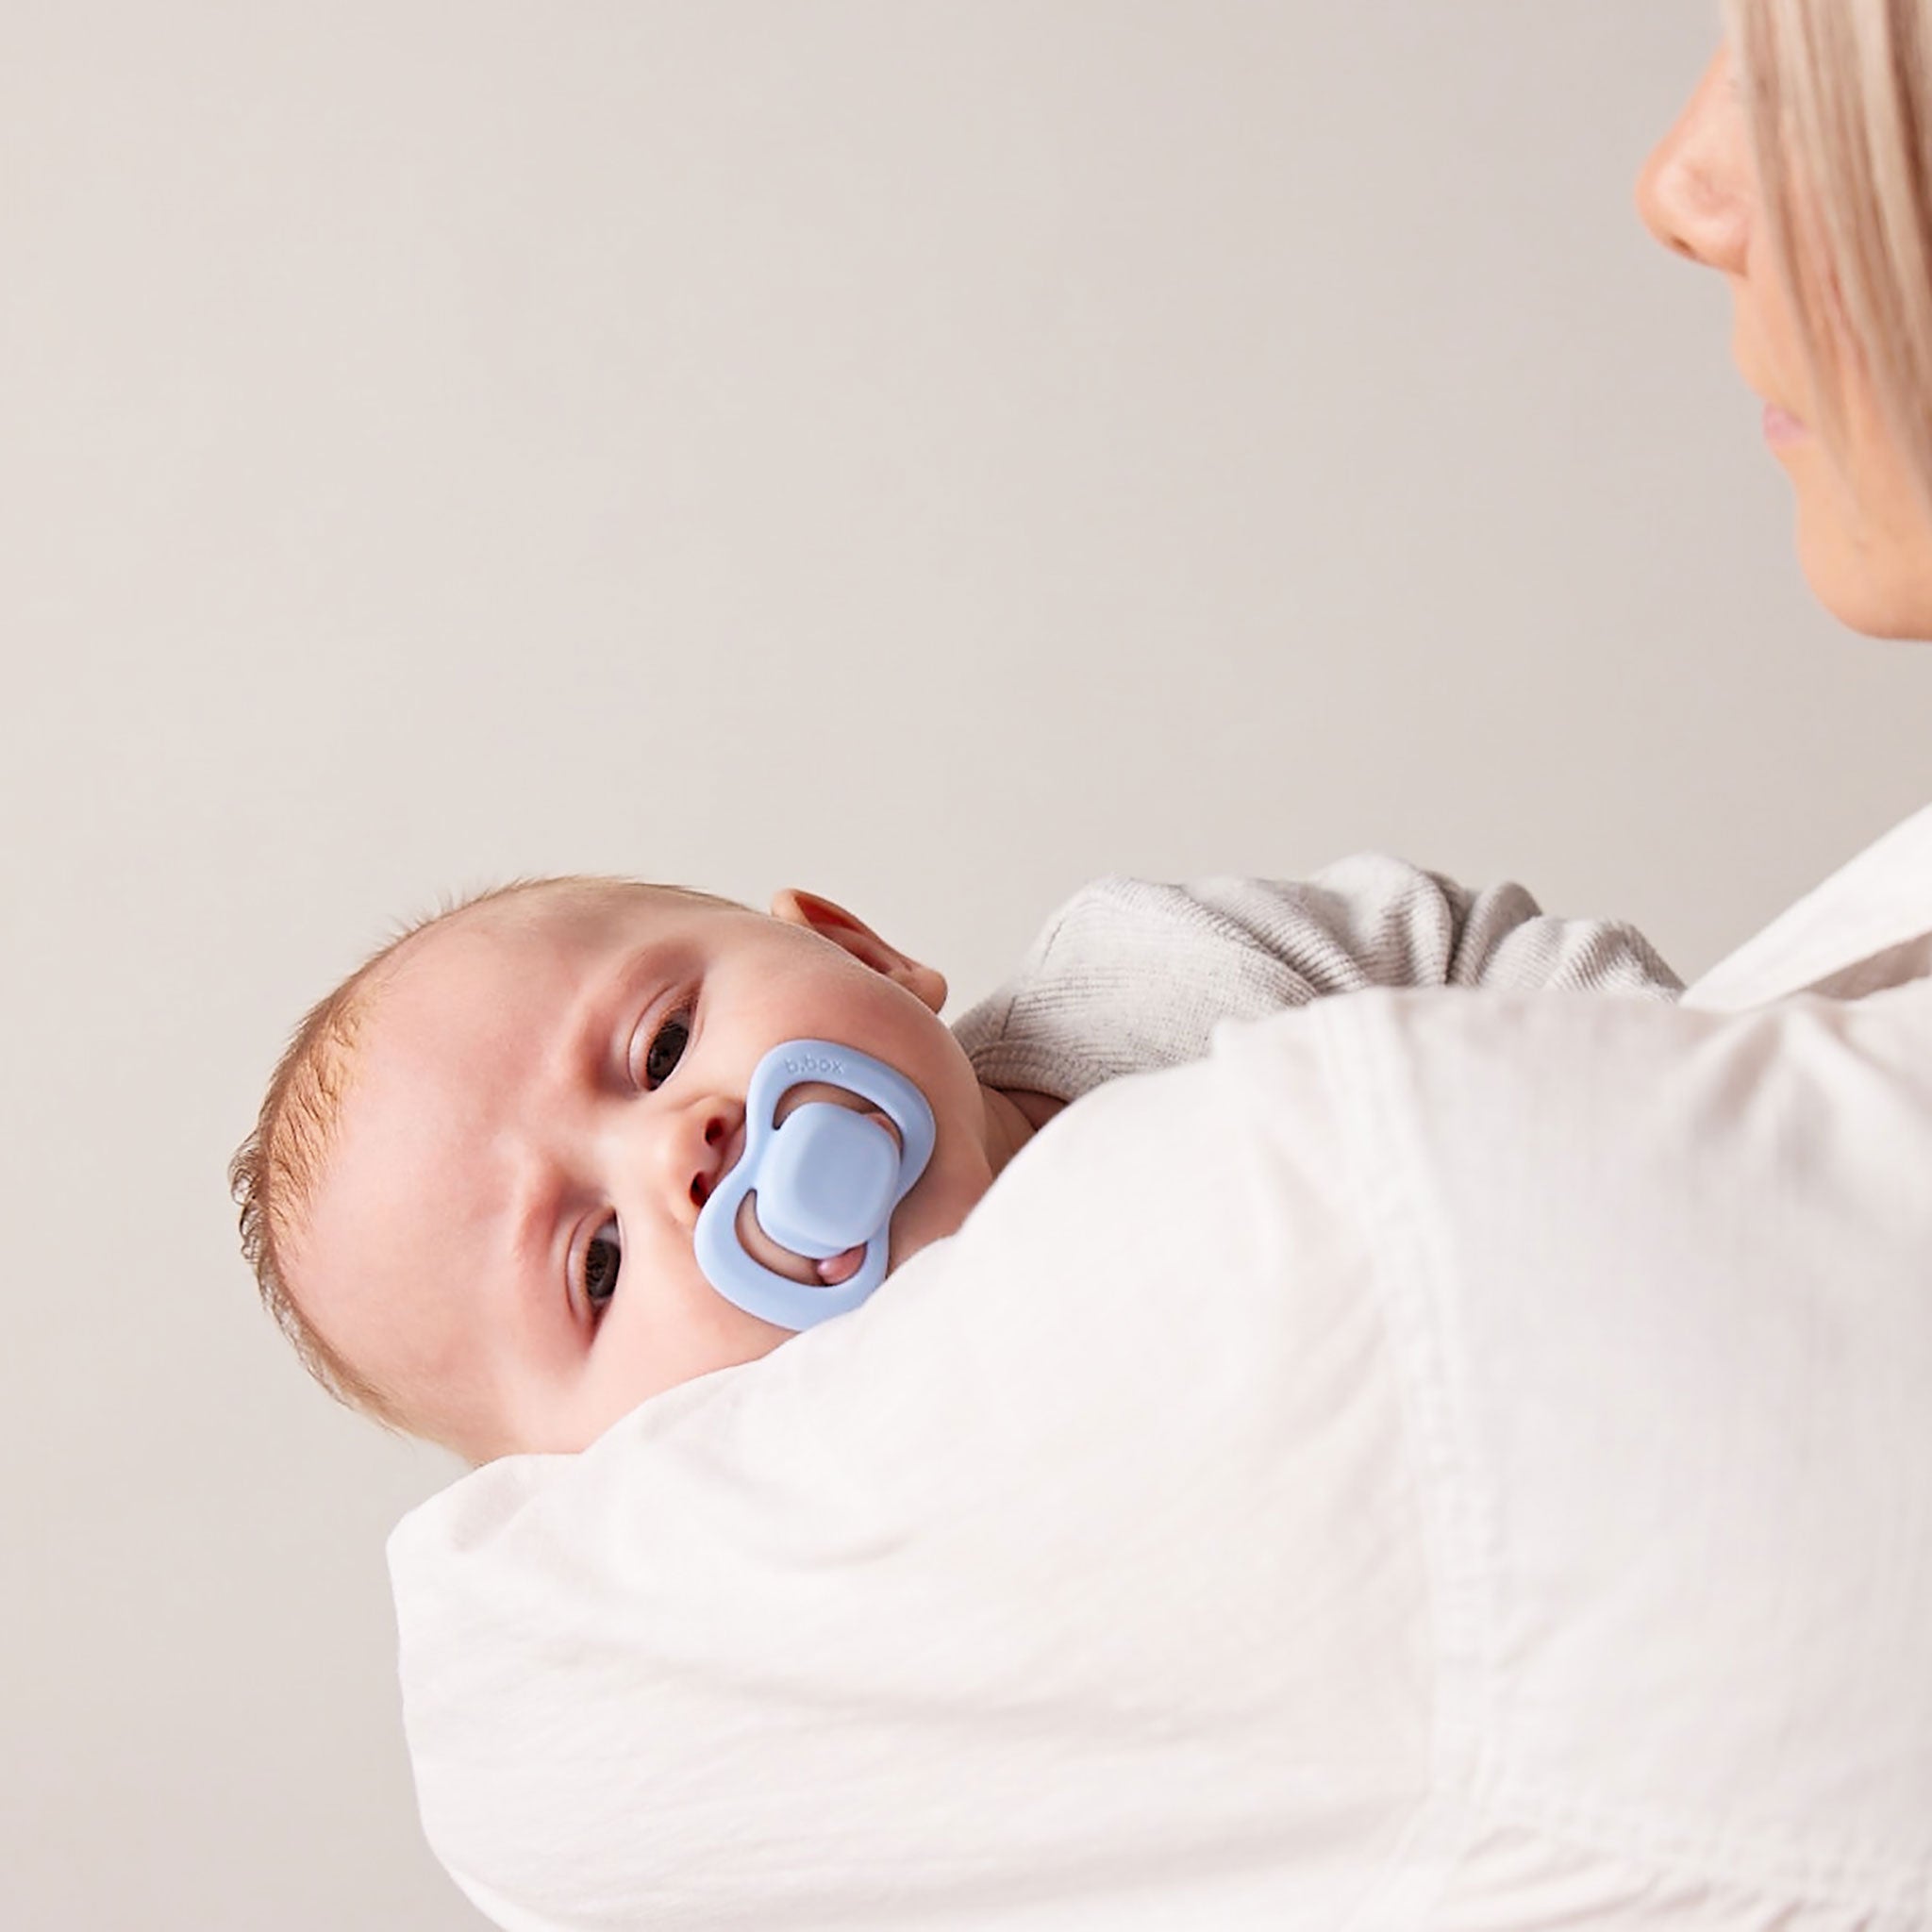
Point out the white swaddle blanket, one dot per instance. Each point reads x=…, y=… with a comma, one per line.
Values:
x=1403, y=1471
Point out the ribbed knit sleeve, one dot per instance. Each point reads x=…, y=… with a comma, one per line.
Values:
x=1130, y=975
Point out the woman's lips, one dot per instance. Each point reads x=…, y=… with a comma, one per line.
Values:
x=1781, y=427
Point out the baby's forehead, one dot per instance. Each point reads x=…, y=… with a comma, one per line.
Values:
x=586, y=905
x=481, y=973
x=573, y=914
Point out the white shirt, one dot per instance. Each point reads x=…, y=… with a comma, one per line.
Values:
x=1448, y=1460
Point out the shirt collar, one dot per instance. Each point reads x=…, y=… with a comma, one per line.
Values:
x=1879, y=905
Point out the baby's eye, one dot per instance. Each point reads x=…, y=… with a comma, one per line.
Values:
x=603, y=1258
x=666, y=1050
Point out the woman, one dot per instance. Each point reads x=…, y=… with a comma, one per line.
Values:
x=1449, y=1461
x=1795, y=174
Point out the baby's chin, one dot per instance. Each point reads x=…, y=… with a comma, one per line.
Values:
x=922, y=1221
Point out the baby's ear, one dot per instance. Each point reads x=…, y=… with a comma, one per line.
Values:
x=847, y=929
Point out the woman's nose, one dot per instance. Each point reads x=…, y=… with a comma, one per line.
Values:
x=1695, y=192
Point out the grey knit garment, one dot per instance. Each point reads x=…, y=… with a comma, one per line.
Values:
x=1129, y=975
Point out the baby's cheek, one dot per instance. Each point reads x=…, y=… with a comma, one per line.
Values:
x=719, y=1334
x=693, y=1341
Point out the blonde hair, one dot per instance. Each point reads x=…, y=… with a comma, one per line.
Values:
x=1838, y=99
x=277, y=1170
x=274, y=1173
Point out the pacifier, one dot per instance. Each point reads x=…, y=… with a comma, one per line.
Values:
x=823, y=1180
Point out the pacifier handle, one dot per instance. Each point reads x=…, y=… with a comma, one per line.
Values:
x=827, y=1180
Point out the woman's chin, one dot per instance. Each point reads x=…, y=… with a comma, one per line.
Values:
x=1856, y=589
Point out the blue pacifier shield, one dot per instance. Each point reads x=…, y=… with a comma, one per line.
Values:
x=823, y=1181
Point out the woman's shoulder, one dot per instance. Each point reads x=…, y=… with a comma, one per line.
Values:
x=1655, y=1281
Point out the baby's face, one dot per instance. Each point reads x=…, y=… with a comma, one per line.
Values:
x=544, y=1092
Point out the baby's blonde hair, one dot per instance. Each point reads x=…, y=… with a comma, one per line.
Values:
x=277, y=1169
x=1838, y=97
x=274, y=1172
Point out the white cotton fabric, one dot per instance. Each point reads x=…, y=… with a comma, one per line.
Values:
x=1451, y=1459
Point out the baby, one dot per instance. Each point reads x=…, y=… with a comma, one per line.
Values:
x=471, y=1196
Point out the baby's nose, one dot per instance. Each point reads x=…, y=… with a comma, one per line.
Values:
x=717, y=1153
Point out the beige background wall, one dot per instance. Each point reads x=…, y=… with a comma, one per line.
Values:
x=929, y=452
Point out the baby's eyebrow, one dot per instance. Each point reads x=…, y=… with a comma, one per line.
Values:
x=538, y=1314
x=609, y=1011
x=578, y=1051
x=533, y=1215
x=588, y=1045
x=583, y=1042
